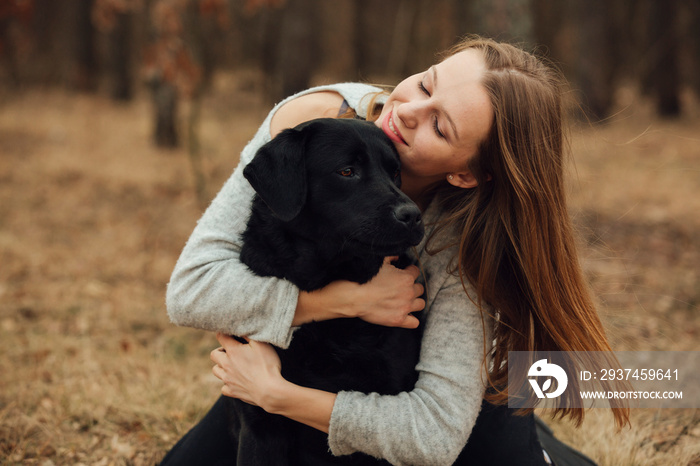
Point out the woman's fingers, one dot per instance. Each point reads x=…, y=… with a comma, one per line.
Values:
x=248, y=370
x=409, y=322
x=390, y=297
x=228, y=340
x=413, y=270
x=229, y=345
x=390, y=259
x=417, y=305
x=226, y=391
x=218, y=356
x=418, y=290
x=219, y=372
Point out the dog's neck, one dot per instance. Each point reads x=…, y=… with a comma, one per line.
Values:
x=275, y=248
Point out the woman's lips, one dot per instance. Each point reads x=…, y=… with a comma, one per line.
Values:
x=390, y=129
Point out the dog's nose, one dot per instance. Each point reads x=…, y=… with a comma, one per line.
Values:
x=408, y=214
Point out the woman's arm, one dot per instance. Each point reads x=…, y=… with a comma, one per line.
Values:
x=429, y=425
x=388, y=299
x=305, y=108
x=211, y=289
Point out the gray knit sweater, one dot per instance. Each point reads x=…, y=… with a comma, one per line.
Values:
x=212, y=290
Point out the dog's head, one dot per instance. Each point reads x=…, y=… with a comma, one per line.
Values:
x=340, y=179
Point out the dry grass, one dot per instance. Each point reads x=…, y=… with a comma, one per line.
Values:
x=92, y=219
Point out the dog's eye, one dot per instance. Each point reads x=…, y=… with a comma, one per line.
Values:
x=397, y=173
x=346, y=172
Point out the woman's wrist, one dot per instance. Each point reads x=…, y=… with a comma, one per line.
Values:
x=273, y=398
x=306, y=405
x=327, y=303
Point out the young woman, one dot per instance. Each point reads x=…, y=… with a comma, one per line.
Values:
x=481, y=144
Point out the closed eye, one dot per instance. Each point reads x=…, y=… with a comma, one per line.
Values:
x=437, y=128
x=424, y=90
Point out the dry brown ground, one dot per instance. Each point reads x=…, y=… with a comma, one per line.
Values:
x=92, y=219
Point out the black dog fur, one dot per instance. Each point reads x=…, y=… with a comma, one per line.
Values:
x=328, y=207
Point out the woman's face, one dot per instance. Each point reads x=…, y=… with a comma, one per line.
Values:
x=438, y=118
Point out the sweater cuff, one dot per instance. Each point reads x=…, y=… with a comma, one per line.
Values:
x=281, y=331
x=336, y=433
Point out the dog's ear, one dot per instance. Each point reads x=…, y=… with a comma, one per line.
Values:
x=278, y=173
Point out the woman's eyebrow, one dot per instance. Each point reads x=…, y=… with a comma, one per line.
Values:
x=447, y=116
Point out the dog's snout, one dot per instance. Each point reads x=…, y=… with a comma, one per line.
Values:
x=408, y=215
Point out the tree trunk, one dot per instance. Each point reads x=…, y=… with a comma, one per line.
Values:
x=401, y=38
x=595, y=68
x=360, y=35
x=665, y=73
x=463, y=17
x=121, y=44
x=693, y=72
x=165, y=102
x=196, y=39
x=547, y=19
x=270, y=25
x=295, y=51
x=86, y=56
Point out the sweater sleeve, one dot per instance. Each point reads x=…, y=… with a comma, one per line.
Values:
x=431, y=424
x=210, y=288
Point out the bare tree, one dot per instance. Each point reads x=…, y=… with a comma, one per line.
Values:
x=463, y=17
x=295, y=50
x=404, y=27
x=693, y=49
x=122, y=46
x=665, y=73
x=15, y=42
x=547, y=22
x=87, y=68
x=595, y=64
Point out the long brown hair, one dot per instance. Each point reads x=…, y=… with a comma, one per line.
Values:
x=514, y=235
x=516, y=241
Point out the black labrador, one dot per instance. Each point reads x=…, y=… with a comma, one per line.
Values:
x=328, y=207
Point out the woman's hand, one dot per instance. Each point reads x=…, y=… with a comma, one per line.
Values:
x=388, y=299
x=250, y=372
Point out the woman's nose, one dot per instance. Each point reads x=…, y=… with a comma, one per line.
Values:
x=409, y=113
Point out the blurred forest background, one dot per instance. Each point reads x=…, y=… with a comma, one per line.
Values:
x=121, y=119
x=175, y=47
